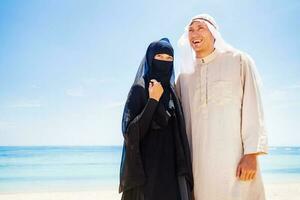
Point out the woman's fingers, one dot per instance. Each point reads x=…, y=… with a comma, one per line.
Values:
x=153, y=81
x=155, y=90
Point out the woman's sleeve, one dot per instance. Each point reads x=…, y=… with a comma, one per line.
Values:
x=140, y=115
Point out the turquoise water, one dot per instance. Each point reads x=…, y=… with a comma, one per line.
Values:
x=58, y=168
x=78, y=167
x=282, y=164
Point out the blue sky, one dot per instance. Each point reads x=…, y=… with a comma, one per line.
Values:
x=66, y=66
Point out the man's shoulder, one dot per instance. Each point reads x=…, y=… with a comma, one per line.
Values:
x=231, y=54
x=236, y=55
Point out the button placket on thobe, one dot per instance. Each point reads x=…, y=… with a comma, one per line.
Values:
x=202, y=87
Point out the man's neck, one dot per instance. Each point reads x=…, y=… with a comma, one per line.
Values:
x=203, y=54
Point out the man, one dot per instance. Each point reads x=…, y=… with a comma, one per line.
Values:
x=219, y=90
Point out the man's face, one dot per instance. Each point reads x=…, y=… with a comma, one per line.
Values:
x=200, y=37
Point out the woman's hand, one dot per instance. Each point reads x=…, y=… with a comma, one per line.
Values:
x=155, y=90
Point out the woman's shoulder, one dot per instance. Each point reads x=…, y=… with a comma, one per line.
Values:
x=136, y=92
x=137, y=89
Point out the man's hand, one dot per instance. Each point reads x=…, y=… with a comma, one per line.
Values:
x=247, y=167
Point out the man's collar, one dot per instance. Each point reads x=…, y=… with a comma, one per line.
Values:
x=208, y=58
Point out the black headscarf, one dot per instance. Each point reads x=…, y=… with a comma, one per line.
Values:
x=157, y=69
x=162, y=71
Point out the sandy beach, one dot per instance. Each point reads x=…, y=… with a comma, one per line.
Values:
x=274, y=191
x=282, y=191
x=107, y=194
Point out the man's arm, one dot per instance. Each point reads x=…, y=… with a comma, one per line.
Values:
x=253, y=131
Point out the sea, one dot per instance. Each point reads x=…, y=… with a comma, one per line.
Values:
x=63, y=168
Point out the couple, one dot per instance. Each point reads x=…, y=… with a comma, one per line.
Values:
x=202, y=141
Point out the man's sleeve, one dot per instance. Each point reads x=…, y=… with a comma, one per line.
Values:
x=185, y=103
x=252, y=123
x=177, y=88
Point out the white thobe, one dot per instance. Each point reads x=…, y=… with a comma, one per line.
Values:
x=224, y=121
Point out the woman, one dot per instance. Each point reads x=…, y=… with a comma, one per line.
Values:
x=156, y=160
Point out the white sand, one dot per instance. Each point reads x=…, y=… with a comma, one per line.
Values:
x=274, y=191
x=74, y=195
x=282, y=191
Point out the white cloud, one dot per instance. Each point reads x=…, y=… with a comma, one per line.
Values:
x=277, y=95
x=283, y=97
x=116, y=104
x=86, y=85
x=24, y=104
x=75, y=92
x=96, y=81
x=34, y=86
x=295, y=86
x=5, y=125
x=285, y=93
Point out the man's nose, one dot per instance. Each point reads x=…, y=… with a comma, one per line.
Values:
x=194, y=34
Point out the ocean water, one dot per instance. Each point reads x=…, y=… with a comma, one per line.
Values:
x=45, y=168
x=58, y=168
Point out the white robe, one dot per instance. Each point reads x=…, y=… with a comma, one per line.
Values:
x=224, y=121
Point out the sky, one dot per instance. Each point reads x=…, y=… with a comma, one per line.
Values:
x=66, y=66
